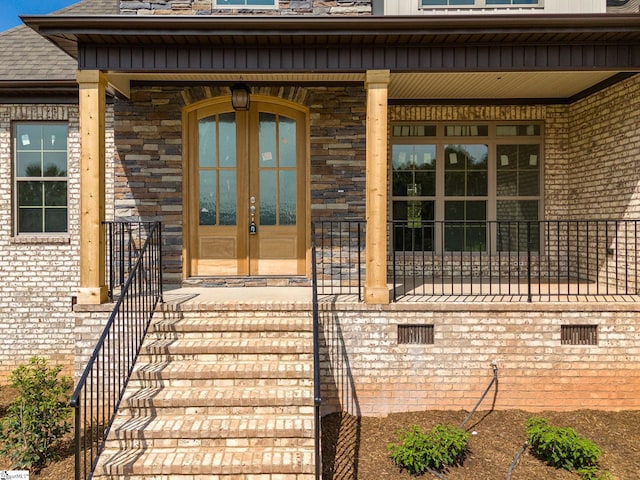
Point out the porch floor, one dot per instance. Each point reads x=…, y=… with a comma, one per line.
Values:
x=461, y=293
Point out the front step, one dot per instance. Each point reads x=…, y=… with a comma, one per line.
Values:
x=236, y=462
x=219, y=394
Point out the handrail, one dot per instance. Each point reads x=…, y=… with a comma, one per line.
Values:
x=317, y=394
x=100, y=389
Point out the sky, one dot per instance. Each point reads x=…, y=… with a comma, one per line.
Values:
x=11, y=9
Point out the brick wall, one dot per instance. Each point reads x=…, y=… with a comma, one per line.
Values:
x=365, y=371
x=207, y=7
x=40, y=275
x=605, y=153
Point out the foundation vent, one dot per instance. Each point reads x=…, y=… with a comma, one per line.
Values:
x=579, y=334
x=415, y=334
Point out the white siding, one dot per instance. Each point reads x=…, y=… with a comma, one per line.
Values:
x=411, y=7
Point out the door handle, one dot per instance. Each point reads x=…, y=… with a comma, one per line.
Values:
x=253, y=229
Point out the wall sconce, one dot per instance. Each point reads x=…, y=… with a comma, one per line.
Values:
x=240, y=97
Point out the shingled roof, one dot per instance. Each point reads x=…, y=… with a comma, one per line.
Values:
x=26, y=57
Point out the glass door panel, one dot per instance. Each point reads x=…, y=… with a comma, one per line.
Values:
x=217, y=170
x=277, y=169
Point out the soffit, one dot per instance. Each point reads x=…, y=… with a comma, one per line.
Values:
x=494, y=85
x=409, y=86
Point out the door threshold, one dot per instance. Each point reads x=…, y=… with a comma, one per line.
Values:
x=248, y=281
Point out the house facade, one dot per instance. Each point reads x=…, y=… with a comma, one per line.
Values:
x=444, y=128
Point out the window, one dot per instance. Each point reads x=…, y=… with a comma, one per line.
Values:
x=40, y=174
x=481, y=3
x=465, y=187
x=247, y=3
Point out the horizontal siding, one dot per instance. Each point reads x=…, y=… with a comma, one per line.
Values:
x=406, y=7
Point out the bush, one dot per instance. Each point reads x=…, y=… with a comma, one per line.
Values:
x=38, y=418
x=417, y=452
x=564, y=448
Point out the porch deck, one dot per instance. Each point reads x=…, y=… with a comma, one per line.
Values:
x=462, y=294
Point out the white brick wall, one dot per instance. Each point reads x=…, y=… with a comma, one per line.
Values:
x=365, y=371
x=39, y=275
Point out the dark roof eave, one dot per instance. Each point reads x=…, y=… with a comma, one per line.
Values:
x=67, y=31
x=38, y=91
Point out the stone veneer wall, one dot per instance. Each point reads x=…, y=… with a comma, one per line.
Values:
x=207, y=7
x=148, y=175
x=366, y=372
x=40, y=274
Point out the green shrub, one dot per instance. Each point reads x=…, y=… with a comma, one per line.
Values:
x=564, y=448
x=443, y=446
x=38, y=418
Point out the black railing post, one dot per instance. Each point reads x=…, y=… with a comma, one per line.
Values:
x=529, y=261
x=393, y=261
x=317, y=392
x=359, y=227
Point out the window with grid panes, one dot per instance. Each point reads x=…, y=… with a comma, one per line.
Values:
x=40, y=178
x=465, y=187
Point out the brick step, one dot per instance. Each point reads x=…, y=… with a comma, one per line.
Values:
x=172, y=397
x=201, y=463
x=223, y=358
x=249, y=345
x=235, y=335
x=228, y=410
x=223, y=322
x=217, y=383
x=188, y=370
x=212, y=430
x=131, y=442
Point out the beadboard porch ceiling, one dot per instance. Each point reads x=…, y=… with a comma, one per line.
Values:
x=412, y=86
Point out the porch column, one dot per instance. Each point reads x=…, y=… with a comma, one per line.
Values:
x=92, y=85
x=375, y=289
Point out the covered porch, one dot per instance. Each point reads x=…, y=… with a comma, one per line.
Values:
x=354, y=81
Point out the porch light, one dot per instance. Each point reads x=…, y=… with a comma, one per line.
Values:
x=240, y=97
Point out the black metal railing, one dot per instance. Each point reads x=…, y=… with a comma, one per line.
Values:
x=124, y=241
x=536, y=259
x=340, y=256
x=317, y=394
x=99, y=391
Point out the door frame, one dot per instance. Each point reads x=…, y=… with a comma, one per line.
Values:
x=189, y=176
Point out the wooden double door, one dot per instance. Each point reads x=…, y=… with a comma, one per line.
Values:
x=247, y=189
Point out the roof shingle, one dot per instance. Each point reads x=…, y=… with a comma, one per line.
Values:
x=26, y=56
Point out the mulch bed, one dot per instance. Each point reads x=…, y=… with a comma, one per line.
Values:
x=357, y=448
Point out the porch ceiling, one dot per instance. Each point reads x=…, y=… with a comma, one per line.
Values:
x=412, y=86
